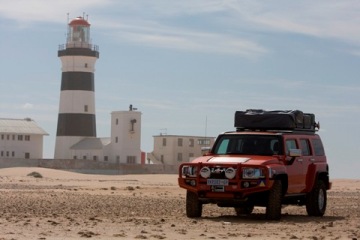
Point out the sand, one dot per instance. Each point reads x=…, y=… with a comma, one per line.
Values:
x=66, y=205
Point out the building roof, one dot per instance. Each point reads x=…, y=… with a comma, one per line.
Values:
x=20, y=126
x=91, y=143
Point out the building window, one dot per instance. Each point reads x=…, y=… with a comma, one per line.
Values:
x=180, y=142
x=191, y=142
x=7, y=153
x=94, y=158
x=86, y=108
x=2, y=153
x=118, y=158
x=131, y=159
x=86, y=65
x=116, y=139
x=7, y=137
x=191, y=155
x=27, y=155
x=75, y=157
x=179, y=157
x=2, y=136
x=204, y=141
x=84, y=157
x=117, y=121
x=162, y=159
x=106, y=158
x=27, y=137
x=20, y=137
x=13, y=154
x=164, y=141
x=13, y=137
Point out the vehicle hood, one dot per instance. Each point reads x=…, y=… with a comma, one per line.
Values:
x=250, y=160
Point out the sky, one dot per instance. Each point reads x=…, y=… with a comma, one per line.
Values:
x=189, y=65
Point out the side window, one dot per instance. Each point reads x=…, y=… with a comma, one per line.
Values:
x=305, y=147
x=318, y=147
x=290, y=144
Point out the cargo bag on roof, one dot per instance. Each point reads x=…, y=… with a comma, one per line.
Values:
x=274, y=120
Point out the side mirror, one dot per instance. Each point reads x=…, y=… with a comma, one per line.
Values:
x=295, y=153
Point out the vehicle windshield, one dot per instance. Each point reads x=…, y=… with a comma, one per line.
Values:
x=248, y=145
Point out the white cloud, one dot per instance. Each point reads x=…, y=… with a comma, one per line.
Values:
x=27, y=11
x=27, y=106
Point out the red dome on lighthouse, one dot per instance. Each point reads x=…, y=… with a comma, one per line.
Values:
x=79, y=21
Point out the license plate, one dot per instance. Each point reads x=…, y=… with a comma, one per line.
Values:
x=217, y=182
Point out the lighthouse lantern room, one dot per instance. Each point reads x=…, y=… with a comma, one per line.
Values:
x=76, y=118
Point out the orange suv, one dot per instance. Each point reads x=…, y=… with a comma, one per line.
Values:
x=273, y=158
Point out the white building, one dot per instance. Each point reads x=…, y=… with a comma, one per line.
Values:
x=176, y=149
x=21, y=138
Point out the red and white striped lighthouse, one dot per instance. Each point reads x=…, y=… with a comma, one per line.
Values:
x=76, y=119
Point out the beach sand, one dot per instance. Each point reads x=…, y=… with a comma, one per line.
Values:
x=67, y=205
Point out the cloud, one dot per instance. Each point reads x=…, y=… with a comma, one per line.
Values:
x=28, y=106
x=226, y=27
x=28, y=11
x=181, y=39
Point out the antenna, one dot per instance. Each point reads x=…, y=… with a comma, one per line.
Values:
x=205, y=128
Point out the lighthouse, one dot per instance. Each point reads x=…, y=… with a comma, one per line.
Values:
x=76, y=118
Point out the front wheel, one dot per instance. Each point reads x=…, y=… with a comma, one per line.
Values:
x=316, y=200
x=273, y=207
x=193, y=205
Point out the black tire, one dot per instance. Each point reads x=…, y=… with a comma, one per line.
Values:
x=273, y=207
x=316, y=200
x=244, y=210
x=193, y=205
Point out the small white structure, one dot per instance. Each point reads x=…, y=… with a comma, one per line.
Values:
x=126, y=136
x=21, y=138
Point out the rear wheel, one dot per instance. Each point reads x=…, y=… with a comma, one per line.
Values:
x=193, y=205
x=316, y=200
x=273, y=207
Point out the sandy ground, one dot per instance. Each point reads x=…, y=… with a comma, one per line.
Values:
x=66, y=205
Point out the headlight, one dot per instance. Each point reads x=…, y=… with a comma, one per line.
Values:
x=189, y=171
x=251, y=173
x=230, y=173
x=205, y=172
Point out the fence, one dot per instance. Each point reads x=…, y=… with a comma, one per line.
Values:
x=90, y=167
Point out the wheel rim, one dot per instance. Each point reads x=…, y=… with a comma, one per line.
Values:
x=321, y=199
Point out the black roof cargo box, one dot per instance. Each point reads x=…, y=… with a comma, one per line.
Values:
x=274, y=120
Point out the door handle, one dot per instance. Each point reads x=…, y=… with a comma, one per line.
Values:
x=312, y=159
x=299, y=159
